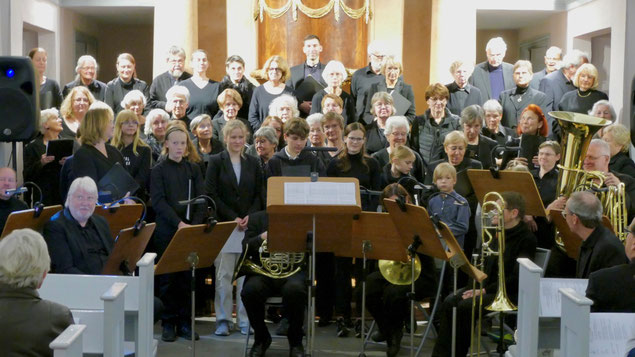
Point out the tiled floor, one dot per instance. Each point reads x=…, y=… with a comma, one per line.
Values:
x=326, y=344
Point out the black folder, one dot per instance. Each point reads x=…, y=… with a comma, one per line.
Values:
x=115, y=184
x=402, y=104
x=307, y=89
x=59, y=148
x=529, y=147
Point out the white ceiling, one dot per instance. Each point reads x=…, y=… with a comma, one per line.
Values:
x=124, y=15
x=510, y=19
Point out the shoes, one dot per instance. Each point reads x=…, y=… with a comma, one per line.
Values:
x=342, y=329
x=296, y=351
x=394, y=343
x=245, y=329
x=169, y=333
x=283, y=327
x=260, y=347
x=185, y=331
x=377, y=336
x=407, y=324
x=222, y=329
x=358, y=328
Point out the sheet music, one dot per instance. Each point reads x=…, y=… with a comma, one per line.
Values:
x=319, y=193
x=609, y=333
x=234, y=243
x=550, y=297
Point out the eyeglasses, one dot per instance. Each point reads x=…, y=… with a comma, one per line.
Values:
x=271, y=69
x=565, y=214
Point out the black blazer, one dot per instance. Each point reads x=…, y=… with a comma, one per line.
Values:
x=555, y=85
x=512, y=108
x=297, y=75
x=160, y=86
x=234, y=199
x=613, y=289
x=116, y=90
x=455, y=105
x=68, y=249
x=480, y=79
x=600, y=250
x=402, y=88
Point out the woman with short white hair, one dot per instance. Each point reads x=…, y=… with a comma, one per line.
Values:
x=178, y=100
x=86, y=70
x=334, y=75
x=28, y=324
x=42, y=169
x=396, y=130
x=492, y=127
x=157, y=121
x=284, y=107
x=135, y=100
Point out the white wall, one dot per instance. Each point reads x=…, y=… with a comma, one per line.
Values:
x=241, y=25
x=598, y=16
x=387, y=25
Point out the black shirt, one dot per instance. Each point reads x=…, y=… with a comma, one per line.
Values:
x=138, y=166
x=548, y=189
x=348, y=111
x=362, y=79
x=368, y=174
x=97, y=88
x=460, y=98
x=116, y=90
x=50, y=95
x=202, y=100
x=259, y=105
x=89, y=161
x=600, y=250
x=580, y=102
x=623, y=164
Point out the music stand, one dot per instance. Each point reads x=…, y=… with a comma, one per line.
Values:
x=192, y=247
x=128, y=248
x=420, y=235
x=374, y=237
x=572, y=241
x=483, y=181
x=290, y=222
x=27, y=219
x=120, y=217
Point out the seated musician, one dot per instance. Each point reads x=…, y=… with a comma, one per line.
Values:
x=613, y=289
x=78, y=241
x=8, y=203
x=28, y=324
x=257, y=288
x=600, y=247
x=388, y=303
x=519, y=242
x=296, y=132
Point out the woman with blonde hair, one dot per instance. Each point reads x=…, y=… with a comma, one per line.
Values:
x=619, y=139
x=73, y=109
x=136, y=153
x=276, y=70
x=125, y=82
x=581, y=100
x=95, y=157
x=235, y=181
x=230, y=103
x=176, y=178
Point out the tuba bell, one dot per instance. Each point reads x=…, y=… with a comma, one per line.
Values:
x=577, y=133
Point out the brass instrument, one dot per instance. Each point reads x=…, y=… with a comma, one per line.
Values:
x=577, y=132
x=492, y=227
x=272, y=265
x=399, y=273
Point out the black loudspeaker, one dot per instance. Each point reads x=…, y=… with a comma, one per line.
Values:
x=19, y=108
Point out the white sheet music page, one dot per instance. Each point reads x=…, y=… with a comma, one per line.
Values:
x=319, y=193
x=609, y=333
x=550, y=297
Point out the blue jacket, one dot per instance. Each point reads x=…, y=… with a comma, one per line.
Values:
x=456, y=214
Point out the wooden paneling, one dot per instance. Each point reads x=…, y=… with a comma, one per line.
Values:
x=212, y=35
x=417, y=40
x=344, y=41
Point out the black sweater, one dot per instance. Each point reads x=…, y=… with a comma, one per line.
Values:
x=369, y=175
x=580, y=102
x=116, y=90
x=348, y=111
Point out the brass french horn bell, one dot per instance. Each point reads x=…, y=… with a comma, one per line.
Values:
x=399, y=273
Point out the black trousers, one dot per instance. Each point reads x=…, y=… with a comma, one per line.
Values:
x=174, y=289
x=344, y=271
x=443, y=346
x=325, y=285
x=258, y=288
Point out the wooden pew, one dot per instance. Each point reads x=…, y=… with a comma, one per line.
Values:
x=69, y=342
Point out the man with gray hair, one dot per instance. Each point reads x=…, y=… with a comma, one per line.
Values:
x=493, y=76
x=86, y=70
x=175, y=74
x=363, y=78
x=553, y=56
x=600, y=247
x=79, y=241
x=28, y=324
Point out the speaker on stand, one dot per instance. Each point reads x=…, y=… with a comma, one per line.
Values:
x=19, y=107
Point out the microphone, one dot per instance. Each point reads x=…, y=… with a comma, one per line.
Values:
x=319, y=148
x=16, y=191
x=140, y=223
x=194, y=201
x=451, y=194
x=417, y=185
x=366, y=191
x=211, y=222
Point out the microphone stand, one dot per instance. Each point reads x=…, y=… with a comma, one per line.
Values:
x=417, y=186
x=193, y=258
x=37, y=206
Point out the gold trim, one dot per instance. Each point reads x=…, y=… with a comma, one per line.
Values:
x=261, y=8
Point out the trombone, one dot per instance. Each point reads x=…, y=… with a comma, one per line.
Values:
x=492, y=227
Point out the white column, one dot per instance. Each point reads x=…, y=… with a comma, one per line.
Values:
x=175, y=23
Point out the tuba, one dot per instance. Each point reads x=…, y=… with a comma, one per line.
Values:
x=272, y=265
x=492, y=227
x=577, y=133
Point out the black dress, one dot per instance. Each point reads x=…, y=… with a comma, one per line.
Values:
x=259, y=105
x=88, y=161
x=46, y=176
x=50, y=95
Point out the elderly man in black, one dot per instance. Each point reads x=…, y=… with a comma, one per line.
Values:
x=613, y=289
x=600, y=247
x=78, y=241
x=8, y=203
x=363, y=78
x=174, y=75
x=86, y=70
x=519, y=242
x=462, y=93
x=515, y=100
x=493, y=76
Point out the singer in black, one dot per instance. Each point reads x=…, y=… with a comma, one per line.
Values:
x=388, y=303
x=177, y=178
x=8, y=203
x=352, y=162
x=258, y=288
x=79, y=241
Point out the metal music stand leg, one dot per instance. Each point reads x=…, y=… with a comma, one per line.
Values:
x=192, y=258
x=412, y=304
x=366, y=246
x=455, y=263
x=311, y=297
